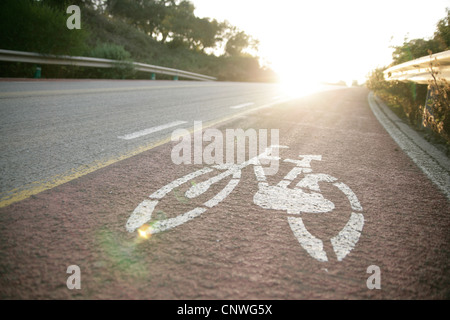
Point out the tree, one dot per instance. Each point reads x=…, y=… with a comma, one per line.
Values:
x=174, y=21
x=414, y=49
x=146, y=15
x=62, y=5
x=442, y=34
x=417, y=48
x=181, y=21
x=206, y=33
x=238, y=41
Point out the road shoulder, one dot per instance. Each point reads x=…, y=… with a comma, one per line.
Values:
x=428, y=158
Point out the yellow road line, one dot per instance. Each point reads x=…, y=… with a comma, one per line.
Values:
x=72, y=175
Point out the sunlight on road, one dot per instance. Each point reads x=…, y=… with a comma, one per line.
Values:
x=294, y=86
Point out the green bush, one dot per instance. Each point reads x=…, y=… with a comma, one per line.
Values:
x=123, y=68
x=404, y=98
x=436, y=112
x=410, y=99
x=110, y=51
x=32, y=26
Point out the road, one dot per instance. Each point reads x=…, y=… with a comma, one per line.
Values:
x=52, y=129
x=79, y=157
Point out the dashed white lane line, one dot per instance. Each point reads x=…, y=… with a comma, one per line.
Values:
x=145, y=132
x=239, y=106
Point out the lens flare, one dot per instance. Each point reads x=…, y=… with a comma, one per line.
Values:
x=145, y=231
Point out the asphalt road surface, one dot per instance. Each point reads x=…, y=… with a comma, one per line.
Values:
x=88, y=179
x=52, y=130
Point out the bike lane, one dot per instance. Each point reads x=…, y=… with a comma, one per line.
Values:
x=237, y=249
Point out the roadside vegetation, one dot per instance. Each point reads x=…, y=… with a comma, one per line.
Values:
x=159, y=32
x=429, y=113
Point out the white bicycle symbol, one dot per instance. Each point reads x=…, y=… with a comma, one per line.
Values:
x=279, y=197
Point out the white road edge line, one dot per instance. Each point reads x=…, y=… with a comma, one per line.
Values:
x=242, y=105
x=429, y=159
x=145, y=132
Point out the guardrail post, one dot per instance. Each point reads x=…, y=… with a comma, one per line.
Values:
x=37, y=72
x=427, y=110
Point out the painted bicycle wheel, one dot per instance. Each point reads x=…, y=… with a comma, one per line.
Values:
x=296, y=201
x=143, y=213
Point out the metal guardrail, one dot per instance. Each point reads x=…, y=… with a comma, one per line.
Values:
x=419, y=70
x=31, y=57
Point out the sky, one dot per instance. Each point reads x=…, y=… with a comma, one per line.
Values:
x=327, y=40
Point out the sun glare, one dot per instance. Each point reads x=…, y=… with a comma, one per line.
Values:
x=144, y=231
x=296, y=85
